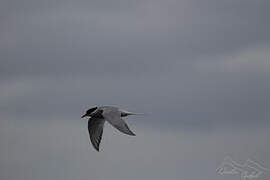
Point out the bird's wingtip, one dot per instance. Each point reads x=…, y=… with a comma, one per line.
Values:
x=131, y=133
x=97, y=149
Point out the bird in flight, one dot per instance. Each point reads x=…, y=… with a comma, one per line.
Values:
x=98, y=116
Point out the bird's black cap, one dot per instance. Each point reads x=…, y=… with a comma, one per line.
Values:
x=89, y=111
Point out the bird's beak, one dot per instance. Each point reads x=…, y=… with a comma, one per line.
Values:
x=83, y=116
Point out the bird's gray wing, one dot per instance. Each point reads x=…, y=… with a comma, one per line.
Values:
x=95, y=128
x=113, y=116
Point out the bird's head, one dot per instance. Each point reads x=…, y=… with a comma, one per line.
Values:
x=89, y=112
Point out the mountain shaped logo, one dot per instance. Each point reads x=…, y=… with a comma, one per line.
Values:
x=249, y=170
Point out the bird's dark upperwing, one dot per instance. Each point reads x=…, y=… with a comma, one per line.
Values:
x=95, y=128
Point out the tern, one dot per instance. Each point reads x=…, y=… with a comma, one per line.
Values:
x=98, y=116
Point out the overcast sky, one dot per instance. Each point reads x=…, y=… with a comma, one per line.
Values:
x=199, y=69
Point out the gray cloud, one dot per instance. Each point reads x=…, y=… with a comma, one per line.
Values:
x=63, y=151
x=198, y=69
x=64, y=38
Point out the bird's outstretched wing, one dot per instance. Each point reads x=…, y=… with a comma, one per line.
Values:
x=113, y=116
x=95, y=128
